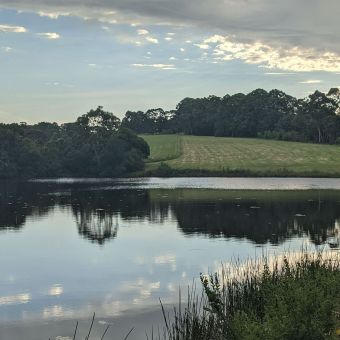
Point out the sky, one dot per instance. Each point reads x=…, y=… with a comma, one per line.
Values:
x=59, y=59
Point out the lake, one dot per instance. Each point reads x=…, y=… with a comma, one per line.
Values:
x=115, y=247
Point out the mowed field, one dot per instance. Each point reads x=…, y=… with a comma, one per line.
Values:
x=258, y=156
x=163, y=147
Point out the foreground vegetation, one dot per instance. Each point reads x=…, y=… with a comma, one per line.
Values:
x=286, y=299
x=218, y=156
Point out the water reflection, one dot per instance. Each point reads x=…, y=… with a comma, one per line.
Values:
x=259, y=216
x=261, y=220
x=97, y=226
x=15, y=299
x=85, y=247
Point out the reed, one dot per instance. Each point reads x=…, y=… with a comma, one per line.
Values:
x=290, y=297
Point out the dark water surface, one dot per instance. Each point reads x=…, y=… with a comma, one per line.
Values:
x=69, y=248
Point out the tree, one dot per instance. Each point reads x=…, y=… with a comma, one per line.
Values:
x=93, y=146
x=99, y=119
x=318, y=112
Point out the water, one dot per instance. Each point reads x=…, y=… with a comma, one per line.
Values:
x=69, y=248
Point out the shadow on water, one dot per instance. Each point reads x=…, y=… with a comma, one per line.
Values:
x=258, y=216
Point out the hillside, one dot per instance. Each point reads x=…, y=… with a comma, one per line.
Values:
x=195, y=155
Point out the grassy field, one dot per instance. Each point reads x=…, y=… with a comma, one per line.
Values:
x=218, y=155
x=163, y=147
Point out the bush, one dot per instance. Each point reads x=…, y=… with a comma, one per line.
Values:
x=292, y=299
x=163, y=170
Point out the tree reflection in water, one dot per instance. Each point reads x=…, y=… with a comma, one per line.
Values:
x=97, y=226
x=259, y=216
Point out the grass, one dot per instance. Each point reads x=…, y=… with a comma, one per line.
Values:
x=163, y=147
x=287, y=299
x=191, y=155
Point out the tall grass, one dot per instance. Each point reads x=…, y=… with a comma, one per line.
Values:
x=288, y=298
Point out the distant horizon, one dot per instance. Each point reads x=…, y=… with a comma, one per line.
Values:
x=59, y=60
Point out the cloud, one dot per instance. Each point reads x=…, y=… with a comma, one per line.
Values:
x=53, y=15
x=151, y=40
x=142, y=32
x=50, y=35
x=157, y=66
x=248, y=22
x=203, y=46
x=278, y=73
x=145, y=34
x=182, y=49
x=311, y=81
x=168, y=38
x=12, y=29
x=296, y=59
x=255, y=19
x=7, y=49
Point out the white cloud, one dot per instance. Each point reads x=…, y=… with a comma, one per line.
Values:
x=92, y=65
x=203, y=46
x=168, y=38
x=50, y=35
x=312, y=81
x=157, y=66
x=151, y=40
x=182, y=49
x=278, y=73
x=12, y=29
x=295, y=44
x=248, y=19
x=7, y=49
x=55, y=83
x=53, y=15
x=172, y=58
x=142, y=32
x=294, y=59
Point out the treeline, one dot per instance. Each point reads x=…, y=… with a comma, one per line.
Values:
x=95, y=145
x=272, y=115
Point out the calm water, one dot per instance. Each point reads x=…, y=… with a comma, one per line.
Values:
x=69, y=248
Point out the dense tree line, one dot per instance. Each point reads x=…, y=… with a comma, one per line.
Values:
x=273, y=115
x=94, y=145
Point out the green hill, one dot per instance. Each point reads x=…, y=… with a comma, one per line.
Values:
x=196, y=155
